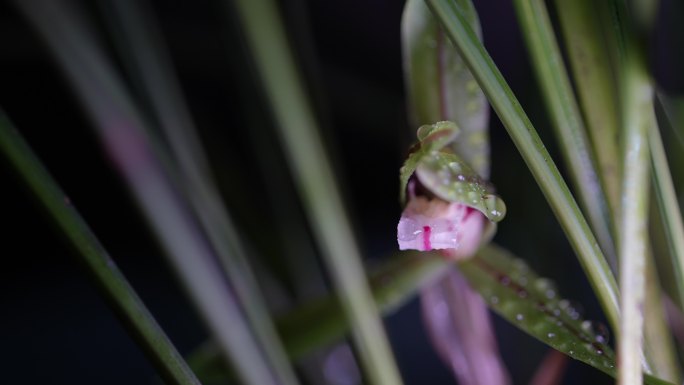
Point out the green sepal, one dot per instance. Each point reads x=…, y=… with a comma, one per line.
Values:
x=446, y=175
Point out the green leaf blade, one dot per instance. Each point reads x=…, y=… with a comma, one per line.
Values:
x=531, y=303
x=111, y=282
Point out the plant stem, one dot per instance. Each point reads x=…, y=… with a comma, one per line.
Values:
x=534, y=153
x=106, y=274
x=266, y=38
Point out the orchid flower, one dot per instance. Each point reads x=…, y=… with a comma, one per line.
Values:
x=428, y=224
x=454, y=203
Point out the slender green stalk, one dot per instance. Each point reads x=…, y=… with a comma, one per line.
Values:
x=637, y=117
x=107, y=275
x=637, y=109
x=534, y=153
x=142, y=45
x=120, y=127
x=666, y=198
x=590, y=60
x=566, y=118
x=658, y=340
x=266, y=38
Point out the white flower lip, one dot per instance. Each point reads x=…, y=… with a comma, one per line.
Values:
x=434, y=224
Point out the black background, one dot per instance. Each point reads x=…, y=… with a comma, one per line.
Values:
x=55, y=328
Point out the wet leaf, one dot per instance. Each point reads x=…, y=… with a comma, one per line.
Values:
x=446, y=175
x=432, y=138
x=533, y=304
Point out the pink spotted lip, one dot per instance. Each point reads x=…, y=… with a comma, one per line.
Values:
x=439, y=225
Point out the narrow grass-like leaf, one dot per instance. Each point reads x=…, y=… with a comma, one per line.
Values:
x=659, y=346
x=633, y=235
x=637, y=117
x=321, y=323
x=672, y=135
x=100, y=265
x=668, y=205
x=533, y=304
x=120, y=127
x=533, y=152
x=566, y=118
x=590, y=60
x=265, y=35
x=141, y=44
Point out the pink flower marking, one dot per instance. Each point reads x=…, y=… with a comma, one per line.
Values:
x=434, y=224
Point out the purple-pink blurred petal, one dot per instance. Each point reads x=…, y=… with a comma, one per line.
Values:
x=460, y=328
x=551, y=369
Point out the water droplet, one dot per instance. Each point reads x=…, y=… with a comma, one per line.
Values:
x=474, y=197
x=551, y=335
x=520, y=265
x=495, y=207
x=545, y=287
x=598, y=330
x=456, y=167
x=572, y=309
x=571, y=352
x=519, y=317
x=494, y=300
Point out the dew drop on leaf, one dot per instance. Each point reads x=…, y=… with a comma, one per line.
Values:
x=545, y=287
x=496, y=208
x=572, y=309
x=598, y=330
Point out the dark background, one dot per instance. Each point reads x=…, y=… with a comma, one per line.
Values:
x=55, y=328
